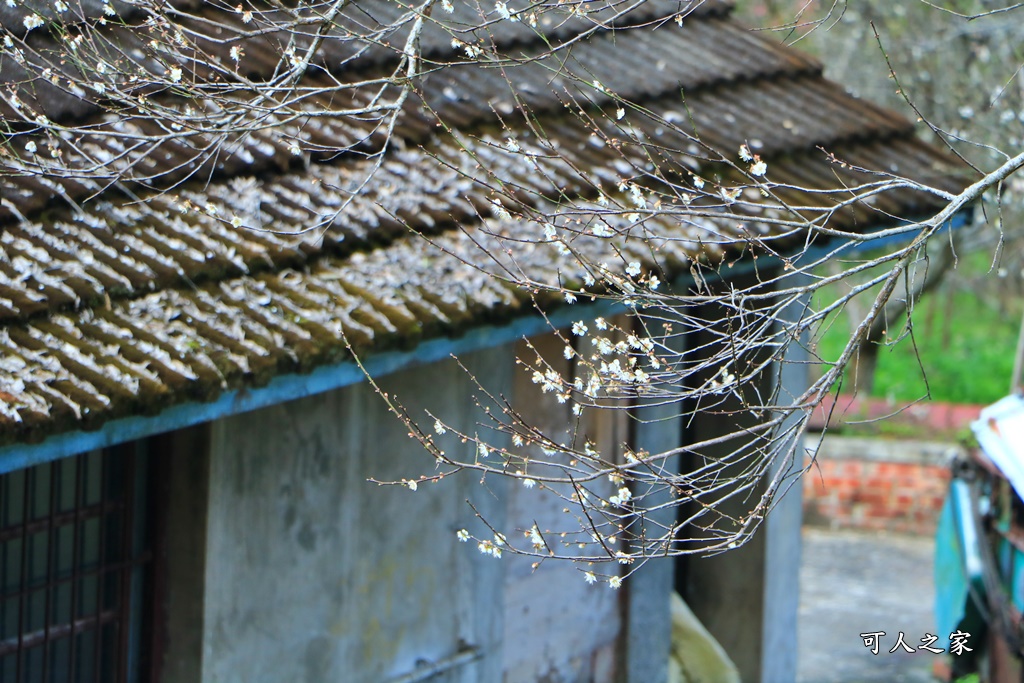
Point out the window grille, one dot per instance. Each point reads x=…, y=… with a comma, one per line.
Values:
x=74, y=565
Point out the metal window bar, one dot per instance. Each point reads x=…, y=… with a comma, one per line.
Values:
x=74, y=558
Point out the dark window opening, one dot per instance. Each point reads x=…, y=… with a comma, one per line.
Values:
x=75, y=565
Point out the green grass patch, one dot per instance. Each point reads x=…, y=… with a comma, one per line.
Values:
x=964, y=346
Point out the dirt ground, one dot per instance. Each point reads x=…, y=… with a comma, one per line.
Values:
x=854, y=582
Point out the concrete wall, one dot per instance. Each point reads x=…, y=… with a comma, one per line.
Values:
x=315, y=575
x=558, y=629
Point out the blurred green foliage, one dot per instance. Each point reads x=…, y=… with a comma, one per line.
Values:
x=962, y=343
x=965, y=77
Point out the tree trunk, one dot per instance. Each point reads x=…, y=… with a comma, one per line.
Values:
x=937, y=262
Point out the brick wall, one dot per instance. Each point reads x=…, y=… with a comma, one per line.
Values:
x=876, y=484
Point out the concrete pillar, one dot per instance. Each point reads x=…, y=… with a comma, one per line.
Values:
x=647, y=622
x=183, y=462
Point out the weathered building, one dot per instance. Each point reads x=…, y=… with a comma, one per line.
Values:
x=187, y=442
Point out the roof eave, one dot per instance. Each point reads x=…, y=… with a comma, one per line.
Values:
x=328, y=377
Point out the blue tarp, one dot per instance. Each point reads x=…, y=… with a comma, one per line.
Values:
x=958, y=567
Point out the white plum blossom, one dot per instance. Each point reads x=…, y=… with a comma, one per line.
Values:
x=579, y=328
x=412, y=484
x=614, y=370
x=439, y=427
x=32, y=21
x=758, y=168
x=499, y=210
x=446, y=5
x=633, y=268
x=589, y=577
x=462, y=535
x=615, y=582
x=636, y=195
x=549, y=380
x=745, y=154
x=489, y=548
x=174, y=74
x=529, y=483
x=727, y=378
x=623, y=496
x=729, y=195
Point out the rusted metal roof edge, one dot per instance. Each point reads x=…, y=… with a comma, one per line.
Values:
x=293, y=386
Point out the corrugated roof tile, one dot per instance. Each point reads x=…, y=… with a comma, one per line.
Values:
x=128, y=304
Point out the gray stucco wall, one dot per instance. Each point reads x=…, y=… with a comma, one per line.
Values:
x=314, y=574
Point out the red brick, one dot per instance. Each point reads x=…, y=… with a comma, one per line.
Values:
x=878, y=484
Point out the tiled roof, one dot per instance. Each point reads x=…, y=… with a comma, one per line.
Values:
x=123, y=301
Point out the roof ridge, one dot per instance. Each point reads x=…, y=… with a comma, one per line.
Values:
x=464, y=21
x=270, y=147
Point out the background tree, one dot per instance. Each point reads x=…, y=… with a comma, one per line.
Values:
x=957, y=68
